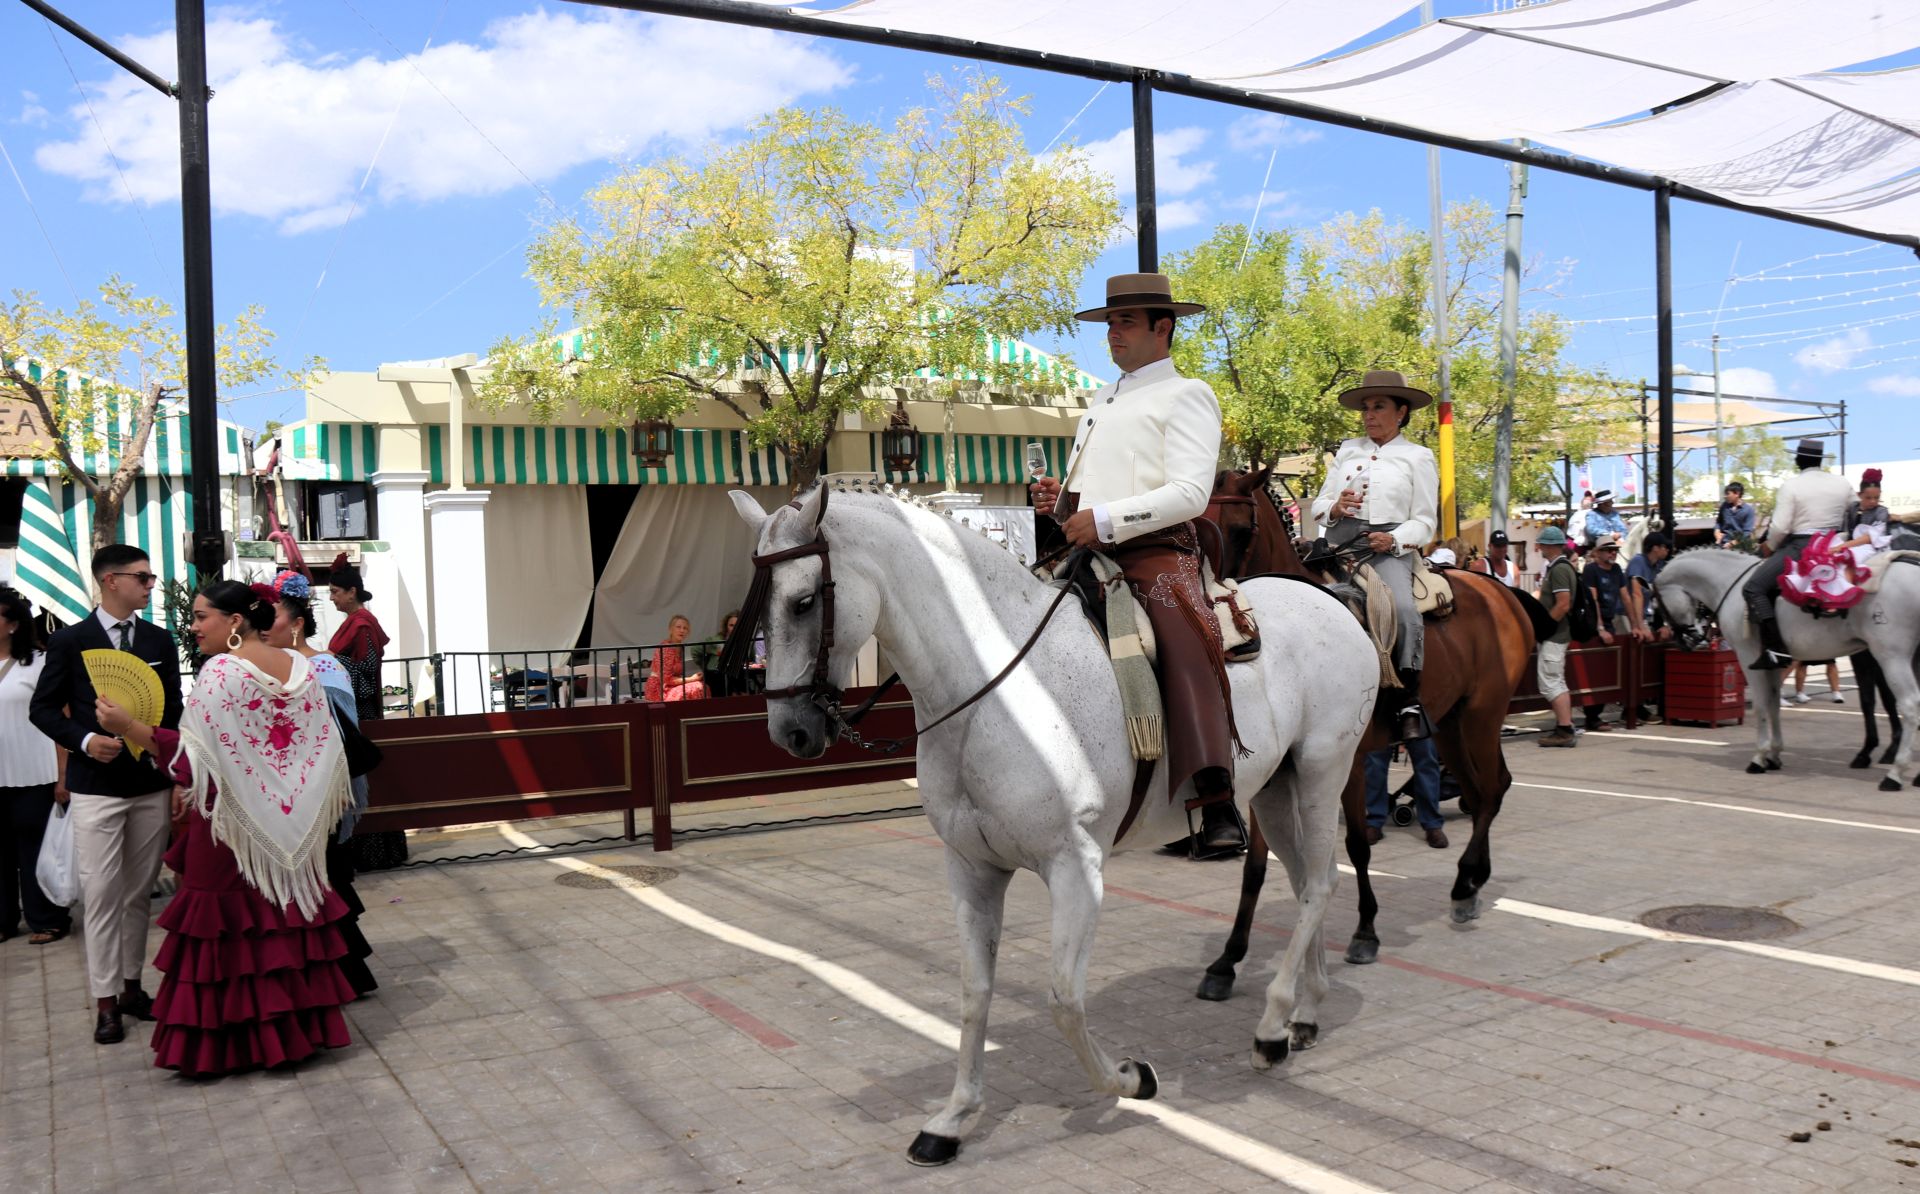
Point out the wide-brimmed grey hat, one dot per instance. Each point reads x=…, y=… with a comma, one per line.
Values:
x=1135, y=292
x=1385, y=383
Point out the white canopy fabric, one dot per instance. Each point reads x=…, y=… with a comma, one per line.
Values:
x=1737, y=98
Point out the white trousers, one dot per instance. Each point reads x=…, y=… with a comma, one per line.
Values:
x=117, y=843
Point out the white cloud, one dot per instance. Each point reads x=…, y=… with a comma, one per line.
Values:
x=1181, y=213
x=1743, y=380
x=1275, y=207
x=1172, y=174
x=292, y=134
x=31, y=111
x=1261, y=130
x=1898, y=385
x=1831, y=356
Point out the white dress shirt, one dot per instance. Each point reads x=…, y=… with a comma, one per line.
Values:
x=1813, y=501
x=27, y=757
x=1145, y=453
x=1398, y=483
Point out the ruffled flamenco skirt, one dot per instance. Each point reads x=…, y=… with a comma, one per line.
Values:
x=340, y=877
x=247, y=985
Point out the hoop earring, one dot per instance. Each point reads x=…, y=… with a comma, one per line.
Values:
x=233, y=640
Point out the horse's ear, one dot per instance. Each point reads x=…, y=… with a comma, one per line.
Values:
x=749, y=510
x=812, y=507
x=1259, y=478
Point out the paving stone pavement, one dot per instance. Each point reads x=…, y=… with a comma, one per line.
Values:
x=532, y=1033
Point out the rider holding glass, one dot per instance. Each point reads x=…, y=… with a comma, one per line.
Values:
x=1382, y=495
x=1140, y=472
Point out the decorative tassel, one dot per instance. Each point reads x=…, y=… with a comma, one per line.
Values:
x=1147, y=737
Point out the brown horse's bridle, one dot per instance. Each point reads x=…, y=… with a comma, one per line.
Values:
x=1216, y=505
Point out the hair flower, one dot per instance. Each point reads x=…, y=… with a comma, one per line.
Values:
x=294, y=585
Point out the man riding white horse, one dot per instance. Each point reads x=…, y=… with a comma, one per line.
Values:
x=1141, y=471
x=1809, y=503
x=1385, y=489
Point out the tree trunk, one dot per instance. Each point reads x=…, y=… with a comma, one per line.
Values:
x=804, y=465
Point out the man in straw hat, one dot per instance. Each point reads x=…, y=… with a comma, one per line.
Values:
x=1813, y=501
x=1140, y=472
x=1384, y=489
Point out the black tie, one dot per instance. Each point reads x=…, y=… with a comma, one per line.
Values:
x=126, y=635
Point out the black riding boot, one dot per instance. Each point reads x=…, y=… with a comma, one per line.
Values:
x=1773, y=649
x=1411, y=724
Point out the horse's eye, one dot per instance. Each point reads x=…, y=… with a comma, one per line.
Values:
x=804, y=604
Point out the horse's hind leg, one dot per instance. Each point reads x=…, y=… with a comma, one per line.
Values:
x=979, y=901
x=1364, y=947
x=1901, y=678
x=1302, y=798
x=1073, y=878
x=1217, y=983
x=1866, y=678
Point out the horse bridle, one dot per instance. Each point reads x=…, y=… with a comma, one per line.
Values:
x=819, y=687
x=1712, y=611
x=1228, y=568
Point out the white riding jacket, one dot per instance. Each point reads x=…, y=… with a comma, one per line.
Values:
x=1813, y=501
x=1146, y=452
x=1398, y=483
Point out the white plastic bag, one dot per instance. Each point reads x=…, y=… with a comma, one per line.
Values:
x=57, y=872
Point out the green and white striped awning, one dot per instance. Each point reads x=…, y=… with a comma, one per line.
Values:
x=538, y=456
x=51, y=566
x=978, y=459
x=168, y=452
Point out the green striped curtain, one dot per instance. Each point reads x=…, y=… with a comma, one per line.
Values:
x=604, y=456
x=56, y=541
x=978, y=459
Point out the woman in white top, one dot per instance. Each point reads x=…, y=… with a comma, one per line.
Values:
x=30, y=770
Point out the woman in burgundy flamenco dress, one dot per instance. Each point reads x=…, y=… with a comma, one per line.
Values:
x=253, y=948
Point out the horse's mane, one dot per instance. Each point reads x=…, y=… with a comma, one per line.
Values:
x=1707, y=547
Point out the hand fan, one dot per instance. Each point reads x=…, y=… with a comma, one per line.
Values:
x=129, y=682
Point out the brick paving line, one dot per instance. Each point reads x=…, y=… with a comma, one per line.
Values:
x=1252, y=1154
x=721, y=1009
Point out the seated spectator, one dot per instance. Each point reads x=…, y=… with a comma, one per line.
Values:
x=705, y=657
x=1869, y=524
x=1443, y=557
x=668, y=679
x=1733, y=523
x=1607, y=581
x=1643, y=606
x=1496, y=564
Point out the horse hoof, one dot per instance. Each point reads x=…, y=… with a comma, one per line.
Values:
x=1889, y=784
x=1215, y=988
x=1755, y=769
x=1306, y=1036
x=930, y=1150
x=1466, y=910
x=1861, y=761
x=1773, y=764
x=1267, y=1054
x=1363, y=951
x=1149, y=1081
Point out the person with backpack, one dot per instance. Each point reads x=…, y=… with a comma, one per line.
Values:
x=1559, y=592
x=1607, y=581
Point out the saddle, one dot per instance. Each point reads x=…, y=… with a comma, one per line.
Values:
x=1877, y=567
x=1371, y=601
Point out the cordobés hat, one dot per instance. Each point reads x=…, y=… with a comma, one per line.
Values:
x=1385, y=383
x=1605, y=495
x=1133, y=292
x=1551, y=537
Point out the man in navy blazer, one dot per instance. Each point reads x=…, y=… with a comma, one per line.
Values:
x=119, y=804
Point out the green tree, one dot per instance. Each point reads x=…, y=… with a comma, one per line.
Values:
x=819, y=256
x=80, y=370
x=1294, y=317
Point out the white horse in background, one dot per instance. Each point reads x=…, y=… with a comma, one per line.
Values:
x=1038, y=773
x=1886, y=623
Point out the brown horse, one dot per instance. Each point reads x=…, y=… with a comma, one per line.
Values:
x=1475, y=659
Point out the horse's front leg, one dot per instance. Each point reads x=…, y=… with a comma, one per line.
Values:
x=1217, y=984
x=1073, y=877
x=979, y=903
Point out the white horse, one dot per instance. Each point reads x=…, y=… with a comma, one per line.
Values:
x=1887, y=624
x=1038, y=773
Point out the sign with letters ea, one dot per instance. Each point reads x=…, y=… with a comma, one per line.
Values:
x=21, y=433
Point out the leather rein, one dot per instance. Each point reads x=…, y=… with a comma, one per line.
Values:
x=819, y=687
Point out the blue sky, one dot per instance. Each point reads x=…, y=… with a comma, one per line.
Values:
x=514, y=108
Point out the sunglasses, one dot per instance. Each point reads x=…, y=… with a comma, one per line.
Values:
x=145, y=578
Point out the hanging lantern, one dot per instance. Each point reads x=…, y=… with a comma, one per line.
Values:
x=900, y=443
x=652, y=442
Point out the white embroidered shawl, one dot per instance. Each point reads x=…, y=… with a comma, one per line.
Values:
x=273, y=755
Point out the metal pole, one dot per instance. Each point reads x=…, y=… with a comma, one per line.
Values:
x=196, y=234
x=1843, y=435
x=1509, y=348
x=1719, y=441
x=1146, y=216
x=1663, y=319
x=1566, y=486
x=1443, y=358
x=1646, y=480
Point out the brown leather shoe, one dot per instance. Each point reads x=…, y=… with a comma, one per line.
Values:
x=1558, y=736
x=1437, y=838
x=107, y=1029
x=136, y=1003
x=1375, y=835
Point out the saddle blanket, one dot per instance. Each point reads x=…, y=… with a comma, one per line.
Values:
x=1877, y=567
